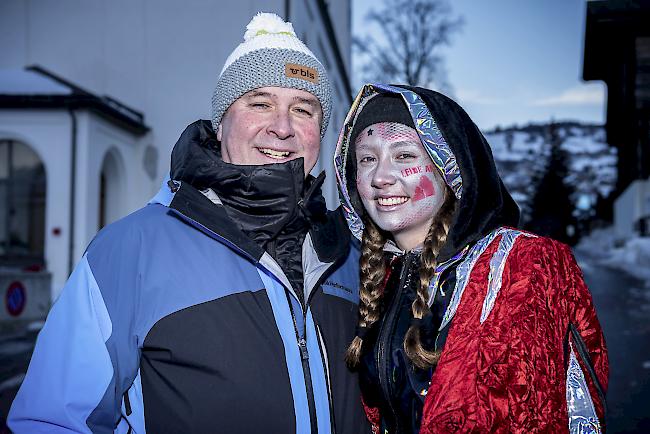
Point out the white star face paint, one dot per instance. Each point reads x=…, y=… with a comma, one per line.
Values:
x=398, y=184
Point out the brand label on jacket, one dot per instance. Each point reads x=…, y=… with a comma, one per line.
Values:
x=332, y=287
x=302, y=72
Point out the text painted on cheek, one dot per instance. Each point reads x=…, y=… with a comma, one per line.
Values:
x=416, y=170
x=424, y=189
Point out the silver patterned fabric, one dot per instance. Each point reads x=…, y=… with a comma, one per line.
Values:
x=497, y=264
x=464, y=270
x=582, y=414
x=435, y=281
x=427, y=128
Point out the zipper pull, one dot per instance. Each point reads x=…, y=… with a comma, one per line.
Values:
x=302, y=344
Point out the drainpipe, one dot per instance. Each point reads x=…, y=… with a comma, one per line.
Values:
x=73, y=185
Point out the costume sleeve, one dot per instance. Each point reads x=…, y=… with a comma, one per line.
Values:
x=372, y=413
x=586, y=362
x=70, y=374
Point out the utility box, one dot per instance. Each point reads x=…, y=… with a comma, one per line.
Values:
x=25, y=295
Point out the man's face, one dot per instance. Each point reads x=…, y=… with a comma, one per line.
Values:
x=271, y=125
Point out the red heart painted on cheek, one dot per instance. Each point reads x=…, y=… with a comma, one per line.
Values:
x=424, y=189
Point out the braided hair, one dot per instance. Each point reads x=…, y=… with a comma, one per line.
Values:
x=373, y=271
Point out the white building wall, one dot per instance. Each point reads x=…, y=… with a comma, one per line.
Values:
x=48, y=133
x=630, y=206
x=95, y=138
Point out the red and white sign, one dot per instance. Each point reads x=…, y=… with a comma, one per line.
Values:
x=15, y=298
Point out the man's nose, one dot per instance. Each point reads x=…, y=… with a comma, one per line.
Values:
x=384, y=174
x=281, y=125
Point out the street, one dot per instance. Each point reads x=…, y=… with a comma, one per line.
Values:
x=623, y=309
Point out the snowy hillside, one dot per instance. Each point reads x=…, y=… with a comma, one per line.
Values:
x=522, y=153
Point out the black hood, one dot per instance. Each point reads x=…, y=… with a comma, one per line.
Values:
x=456, y=145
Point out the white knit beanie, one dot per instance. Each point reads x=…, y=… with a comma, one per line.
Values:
x=271, y=55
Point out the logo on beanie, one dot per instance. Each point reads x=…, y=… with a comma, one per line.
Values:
x=302, y=72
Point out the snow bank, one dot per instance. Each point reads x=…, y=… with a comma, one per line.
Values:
x=632, y=257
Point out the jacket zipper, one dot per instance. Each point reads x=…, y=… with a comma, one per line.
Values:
x=302, y=347
x=384, y=339
x=324, y=360
x=304, y=357
x=302, y=343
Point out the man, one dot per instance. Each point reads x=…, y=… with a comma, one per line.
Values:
x=226, y=304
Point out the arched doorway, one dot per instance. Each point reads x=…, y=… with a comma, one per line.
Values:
x=22, y=206
x=111, y=180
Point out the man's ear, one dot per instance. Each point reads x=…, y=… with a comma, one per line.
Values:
x=219, y=132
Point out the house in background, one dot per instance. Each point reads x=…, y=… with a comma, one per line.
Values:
x=93, y=96
x=49, y=126
x=617, y=51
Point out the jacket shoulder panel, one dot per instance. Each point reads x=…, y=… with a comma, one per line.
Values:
x=343, y=282
x=71, y=367
x=151, y=264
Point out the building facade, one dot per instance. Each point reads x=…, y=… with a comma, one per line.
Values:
x=617, y=51
x=93, y=96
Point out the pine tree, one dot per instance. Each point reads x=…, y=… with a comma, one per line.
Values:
x=552, y=209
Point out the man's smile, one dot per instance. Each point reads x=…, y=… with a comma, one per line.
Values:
x=275, y=154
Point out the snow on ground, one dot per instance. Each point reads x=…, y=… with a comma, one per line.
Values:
x=631, y=256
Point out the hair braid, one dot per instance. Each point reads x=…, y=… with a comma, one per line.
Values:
x=372, y=266
x=433, y=243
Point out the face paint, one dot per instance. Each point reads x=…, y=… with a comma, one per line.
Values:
x=396, y=181
x=416, y=170
x=411, y=171
x=424, y=189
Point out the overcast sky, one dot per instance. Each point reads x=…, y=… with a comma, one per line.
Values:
x=517, y=61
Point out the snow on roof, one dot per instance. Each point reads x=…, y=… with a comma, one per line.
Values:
x=25, y=82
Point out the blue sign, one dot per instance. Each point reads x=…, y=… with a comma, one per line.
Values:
x=15, y=298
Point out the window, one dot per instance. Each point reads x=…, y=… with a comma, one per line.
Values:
x=22, y=206
x=111, y=190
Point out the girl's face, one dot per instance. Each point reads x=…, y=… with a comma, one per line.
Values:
x=399, y=186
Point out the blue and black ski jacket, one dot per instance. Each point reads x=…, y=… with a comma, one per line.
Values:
x=173, y=322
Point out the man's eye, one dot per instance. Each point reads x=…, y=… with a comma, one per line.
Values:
x=259, y=105
x=303, y=111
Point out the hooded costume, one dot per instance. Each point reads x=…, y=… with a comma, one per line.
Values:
x=521, y=346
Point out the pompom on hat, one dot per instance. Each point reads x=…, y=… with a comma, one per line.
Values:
x=271, y=55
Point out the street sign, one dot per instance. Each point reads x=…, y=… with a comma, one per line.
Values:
x=15, y=298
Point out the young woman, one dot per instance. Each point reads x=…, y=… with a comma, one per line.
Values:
x=466, y=324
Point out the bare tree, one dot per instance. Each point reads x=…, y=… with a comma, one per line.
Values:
x=408, y=48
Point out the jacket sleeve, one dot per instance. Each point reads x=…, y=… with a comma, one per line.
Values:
x=70, y=373
x=586, y=361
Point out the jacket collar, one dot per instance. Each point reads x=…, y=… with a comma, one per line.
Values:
x=261, y=199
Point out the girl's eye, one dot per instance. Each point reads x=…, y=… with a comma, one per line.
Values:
x=366, y=160
x=405, y=156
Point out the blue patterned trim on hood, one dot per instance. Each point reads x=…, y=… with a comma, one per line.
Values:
x=426, y=127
